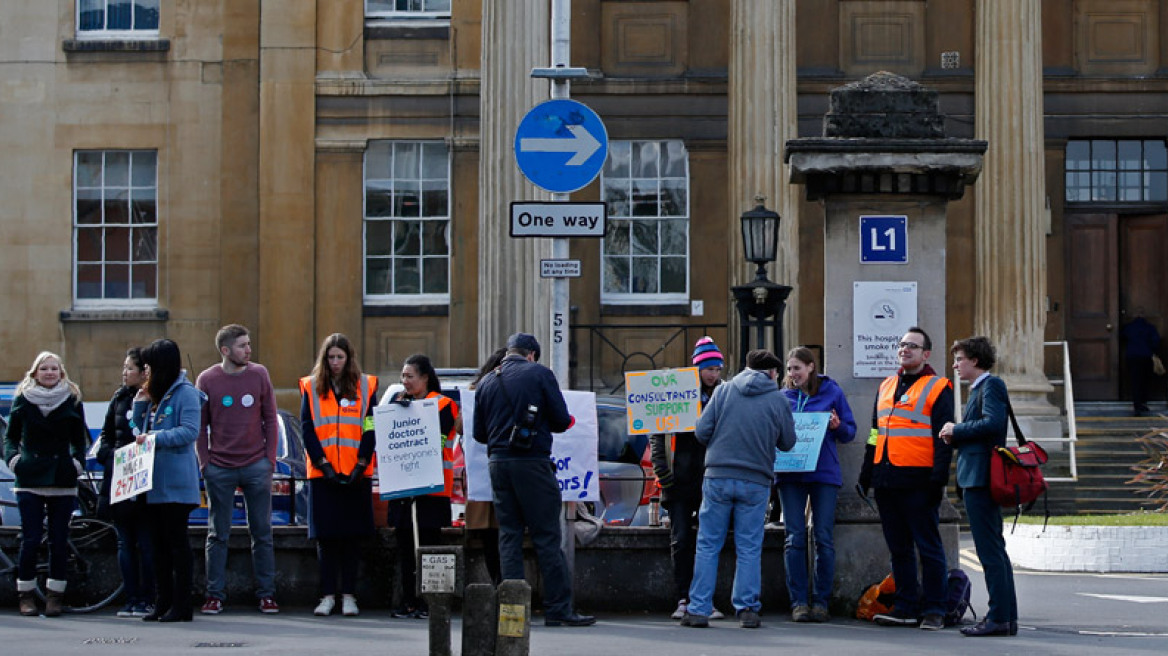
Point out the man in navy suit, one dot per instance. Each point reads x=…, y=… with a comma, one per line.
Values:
x=982, y=430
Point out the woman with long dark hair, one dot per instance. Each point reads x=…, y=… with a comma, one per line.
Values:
x=44, y=447
x=168, y=407
x=336, y=418
x=135, y=550
x=433, y=511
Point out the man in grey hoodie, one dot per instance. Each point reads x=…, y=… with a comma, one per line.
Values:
x=741, y=426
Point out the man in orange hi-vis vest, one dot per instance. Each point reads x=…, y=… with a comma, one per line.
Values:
x=908, y=465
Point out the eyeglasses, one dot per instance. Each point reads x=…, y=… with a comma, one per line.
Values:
x=909, y=345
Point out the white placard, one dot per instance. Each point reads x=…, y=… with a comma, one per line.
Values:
x=573, y=451
x=409, y=449
x=663, y=400
x=882, y=312
x=133, y=470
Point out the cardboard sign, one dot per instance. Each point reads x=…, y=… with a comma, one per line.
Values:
x=810, y=429
x=663, y=400
x=573, y=451
x=133, y=470
x=409, y=449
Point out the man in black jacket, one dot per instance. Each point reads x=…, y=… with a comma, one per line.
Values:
x=517, y=408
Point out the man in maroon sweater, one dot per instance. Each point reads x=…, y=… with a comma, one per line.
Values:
x=237, y=449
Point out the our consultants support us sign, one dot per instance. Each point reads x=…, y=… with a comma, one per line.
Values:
x=882, y=312
x=663, y=400
x=409, y=449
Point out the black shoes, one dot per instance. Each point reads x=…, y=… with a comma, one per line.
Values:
x=575, y=619
x=695, y=621
x=177, y=615
x=897, y=618
x=988, y=627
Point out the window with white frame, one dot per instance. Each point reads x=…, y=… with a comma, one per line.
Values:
x=115, y=228
x=646, y=246
x=407, y=8
x=407, y=222
x=117, y=18
x=1116, y=170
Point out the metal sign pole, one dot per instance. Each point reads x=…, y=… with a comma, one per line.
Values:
x=561, y=51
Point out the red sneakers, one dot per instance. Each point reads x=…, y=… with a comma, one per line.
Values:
x=269, y=605
x=212, y=606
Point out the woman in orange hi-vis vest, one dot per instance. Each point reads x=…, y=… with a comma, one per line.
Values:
x=432, y=511
x=336, y=415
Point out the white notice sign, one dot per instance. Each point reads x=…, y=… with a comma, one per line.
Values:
x=133, y=471
x=882, y=312
x=559, y=268
x=409, y=449
x=558, y=219
x=438, y=573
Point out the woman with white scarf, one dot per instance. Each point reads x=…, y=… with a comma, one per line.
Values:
x=45, y=449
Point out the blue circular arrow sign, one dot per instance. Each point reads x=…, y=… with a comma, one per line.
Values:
x=561, y=145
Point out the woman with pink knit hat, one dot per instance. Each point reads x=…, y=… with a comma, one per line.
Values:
x=680, y=465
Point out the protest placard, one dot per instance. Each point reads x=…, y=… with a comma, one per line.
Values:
x=810, y=428
x=573, y=451
x=133, y=470
x=409, y=449
x=663, y=400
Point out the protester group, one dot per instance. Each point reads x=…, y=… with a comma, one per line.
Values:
x=717, y=478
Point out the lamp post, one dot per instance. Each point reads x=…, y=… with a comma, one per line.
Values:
x=760, y=303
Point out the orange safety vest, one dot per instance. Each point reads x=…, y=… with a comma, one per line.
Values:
x=447, y=445
x=339, y=425
x=905, y=425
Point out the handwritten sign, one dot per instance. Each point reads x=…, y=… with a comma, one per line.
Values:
x=133, y=471
x=810, y=429
x=573, y=451
x=663, y=401
x=409, y=449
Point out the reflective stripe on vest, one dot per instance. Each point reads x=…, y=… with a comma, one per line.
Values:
x=339, y=434
x=447, y=445
x=905, y=425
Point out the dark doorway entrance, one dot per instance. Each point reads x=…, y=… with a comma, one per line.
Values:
x=1116, y=265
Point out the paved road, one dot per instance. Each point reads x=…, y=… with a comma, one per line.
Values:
x=1061, y=614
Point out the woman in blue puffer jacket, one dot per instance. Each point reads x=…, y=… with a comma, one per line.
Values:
x=809, y=391
x=168, y=407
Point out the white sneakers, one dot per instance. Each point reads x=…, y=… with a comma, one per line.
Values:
x=325, y=607
x=715, y=614
x=349, y=606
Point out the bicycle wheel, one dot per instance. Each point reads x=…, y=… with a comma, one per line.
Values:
x=94, y=579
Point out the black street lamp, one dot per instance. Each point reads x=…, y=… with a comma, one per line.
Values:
x=760, y=303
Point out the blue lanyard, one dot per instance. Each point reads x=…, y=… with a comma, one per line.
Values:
x=801, y=402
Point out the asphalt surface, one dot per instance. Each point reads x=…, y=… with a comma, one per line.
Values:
x=1088, y=614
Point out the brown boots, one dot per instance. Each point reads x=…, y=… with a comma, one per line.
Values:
x=28, y=604
x=54, y=603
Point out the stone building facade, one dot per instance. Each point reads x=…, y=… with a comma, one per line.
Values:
x=313, y=166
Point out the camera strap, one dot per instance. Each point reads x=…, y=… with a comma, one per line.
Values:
x=514, y=408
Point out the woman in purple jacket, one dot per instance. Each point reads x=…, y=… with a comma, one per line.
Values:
x=809, y=391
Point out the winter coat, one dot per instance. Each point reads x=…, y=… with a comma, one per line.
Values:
x=46, y=452
x=175, y=424
x=829, y=397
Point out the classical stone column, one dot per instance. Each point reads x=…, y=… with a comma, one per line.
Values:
x=516, y=38
x=1010, y=219
x=762, y=117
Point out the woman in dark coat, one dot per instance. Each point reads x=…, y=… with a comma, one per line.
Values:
x=44, y=447
x=982, y=429
x=135, y=550
x=336, y=418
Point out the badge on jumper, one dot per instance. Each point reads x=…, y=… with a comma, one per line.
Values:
x=346, y=403
x=227, y=401
x=248, y=400
x=167, y=410
x=904, y=398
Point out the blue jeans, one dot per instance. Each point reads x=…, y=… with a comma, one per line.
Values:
x=909, y=518
x=136, y=555
x=794, y=497
x=255, y=480
x=985, y=524
x=528, y=495
x=724, y=499
x=33, y=509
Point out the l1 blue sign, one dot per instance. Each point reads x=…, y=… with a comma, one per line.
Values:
x=561, y=145
x=884, y=239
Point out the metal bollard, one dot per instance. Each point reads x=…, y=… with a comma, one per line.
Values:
x=514, y=618
x=440, y=623
x=479, y=620
x=440, y=578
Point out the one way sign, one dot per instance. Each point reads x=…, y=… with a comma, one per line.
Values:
x=561, y=145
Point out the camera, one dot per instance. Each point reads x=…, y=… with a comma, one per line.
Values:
x=524, y=430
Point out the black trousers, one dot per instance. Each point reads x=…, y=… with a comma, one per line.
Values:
x=173, y=560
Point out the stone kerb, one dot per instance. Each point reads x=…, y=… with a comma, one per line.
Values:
x=1089, y=548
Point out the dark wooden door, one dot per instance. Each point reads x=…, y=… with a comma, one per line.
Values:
x=1143, y=275
x=1093, y=305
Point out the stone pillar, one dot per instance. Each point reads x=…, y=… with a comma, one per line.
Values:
x=516, y=38
x=1010, y=218
x=340, y=34
x=284, y=340
x=762, y=118
x=339, y=232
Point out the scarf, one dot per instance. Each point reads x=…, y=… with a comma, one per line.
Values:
x=47, y=399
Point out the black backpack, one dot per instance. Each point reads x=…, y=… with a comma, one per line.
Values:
x=957, y=599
